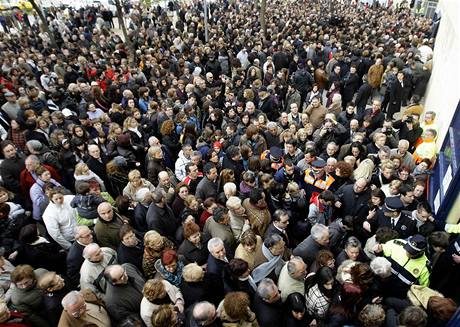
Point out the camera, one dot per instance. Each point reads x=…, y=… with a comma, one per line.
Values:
x=409, y=119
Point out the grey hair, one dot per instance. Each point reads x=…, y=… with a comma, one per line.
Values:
x=331, y=160
x=266, y=288
x=381, y=266
x=202, y=312
x=196, y=154
x=385, y=149
x=71, y=298
x=405, y=142
x=214, y=242
x=352, y=242
x=89, y=249
x=272, y=124
x=79, y=229
x=272, y=240
x=292, y=264
x=33, y=158
x=318, y=231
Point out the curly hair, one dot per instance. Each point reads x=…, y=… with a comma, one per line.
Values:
x=346, y=170
x=372, y=315
x=167, y=128
x=163, y=316
x=236, y=305
x=154, y=289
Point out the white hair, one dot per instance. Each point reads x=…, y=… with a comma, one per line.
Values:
x=203, y=311
x=90, y=249
x=381, y=266
x=80, y=229
x=229, y=188
x=266, y=288
x=70, y=299
x=213, y=243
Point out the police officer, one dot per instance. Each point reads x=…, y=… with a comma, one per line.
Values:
x=409, y=264
x=392, y=216
x=316, y=179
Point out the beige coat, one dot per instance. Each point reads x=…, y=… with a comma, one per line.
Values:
x=316, y=115
x=374, y=75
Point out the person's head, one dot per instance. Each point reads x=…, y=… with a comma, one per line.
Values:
x=94, y=151
x=234, y=205
x=105, y=211
x=326, y=197
x=154, y=289
x=441, y=308
x=8, y=149
x=407, y=194
x=268, y=291
x=221, y=216
x=51, y=282
x=275, y=244
x=23, y=277
x=193, y=273
x=83, y=235
x=204, y=313
x=257, y=198
x=377, y=197
x=116, y=275
x=93, y=253
x=216, y=248
x=165, y=315
x=127, y=236
x=352, y=248
x=43, y=173
x=169, y=259
x=236, y=305
x=403, y=146
x=238, y=268
x=74, y=304
x=372, y=315
x=192, y=233
x=281, y=219
x=297, y=268
x=325, y=279
x=387, y=169
x=439, y=240
x=413, y=316
x=320, y=234
x=360, y=185
x=210, y=171
x=376, y=105
x=249, y=241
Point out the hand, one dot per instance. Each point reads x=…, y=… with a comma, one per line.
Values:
x=431, y=218
x=13, y=255
x=456, y=258
x=338, y=204
x=371, y=214
x=171, y=190
x=377, y=300
x=367, y=226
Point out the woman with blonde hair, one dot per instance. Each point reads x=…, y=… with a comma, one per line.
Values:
x=84, y=174
x=234, y=310
x=136, y=182
x=154, y=245
x=364, y=170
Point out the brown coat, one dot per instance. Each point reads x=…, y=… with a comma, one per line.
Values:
x=95, y=314
x=259, y=219
x=374, y=75
x=316, y=115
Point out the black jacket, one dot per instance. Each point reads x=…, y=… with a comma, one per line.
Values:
x=74, y=261
x=405, y=227
x=140, y=214
x=132, y=255
x=10, y=170
x=236, y=166
x=268, y=314
x=162, y=220
x=308, y=249
x=192, y=253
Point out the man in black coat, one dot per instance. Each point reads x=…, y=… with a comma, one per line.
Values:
x=11, y=166
x=396, y=95
x=279, y=226
x=392, y=216
x=160, y=216
x=267, y=304
x=267, y=104
x=97, y=164
x=350, y=85
x=232, y=160
x=362, y=97
x=376, y=115
x=309, y=247
x=217, y=260
x=83, y=237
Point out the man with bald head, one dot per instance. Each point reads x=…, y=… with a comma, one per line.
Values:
x=92, y=270
x=124, y=291
x=108, y=226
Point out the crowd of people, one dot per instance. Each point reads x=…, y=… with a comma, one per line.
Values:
x=271, y=177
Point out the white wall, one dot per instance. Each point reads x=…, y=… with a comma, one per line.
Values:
x=443, y=92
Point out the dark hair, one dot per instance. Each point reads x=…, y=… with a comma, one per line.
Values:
x=439, y=239
x=207, y=167
x=232, y=151
x=385, y=234
x=5, y=209
x=124, y=229
x=28, y=233
x=295, y=302
x=378, y=193
x=292, y=142
x=237, y=267
x=278, y=214
x=441, y=308
x=424, y=206
x=348, y=221
x=82, y=188
x=322, y=276
x=219, y=213
x=255, y=195
x=327, y=196
x=188, y=166
x=404, y=189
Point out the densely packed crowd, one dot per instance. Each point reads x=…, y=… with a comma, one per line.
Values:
x=252, y=180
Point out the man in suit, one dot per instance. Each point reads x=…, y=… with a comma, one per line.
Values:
x=279, y=226
x=392, y=216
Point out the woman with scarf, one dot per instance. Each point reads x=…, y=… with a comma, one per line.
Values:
x=84, y=174
x=170, y=267
x=154, y=245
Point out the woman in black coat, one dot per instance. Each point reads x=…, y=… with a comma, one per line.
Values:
x=294, y=313
x=130, y=250
x=194, y=285
x=193, y=248
x=170, y=139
